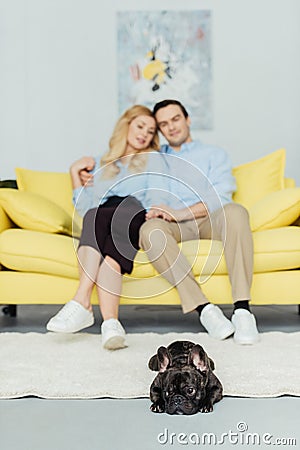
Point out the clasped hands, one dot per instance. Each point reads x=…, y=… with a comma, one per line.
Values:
x=165, y=212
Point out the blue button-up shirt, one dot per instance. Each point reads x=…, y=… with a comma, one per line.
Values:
x=199, y=173
x=150, y=186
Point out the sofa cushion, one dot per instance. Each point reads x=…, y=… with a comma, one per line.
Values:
x=32, y=251
x=258, y=178
x=277, y=209
x=276, y=249
x=34, y=212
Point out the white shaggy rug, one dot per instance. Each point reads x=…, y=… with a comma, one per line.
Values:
x=75, y=366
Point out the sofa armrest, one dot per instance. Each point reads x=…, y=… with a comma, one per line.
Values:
x=5, y=221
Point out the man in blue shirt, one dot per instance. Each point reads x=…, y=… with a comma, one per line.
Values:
x=200, y=207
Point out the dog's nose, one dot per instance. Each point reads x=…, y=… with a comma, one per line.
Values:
x=177, y=400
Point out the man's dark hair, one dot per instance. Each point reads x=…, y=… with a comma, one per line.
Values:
x=165, y=103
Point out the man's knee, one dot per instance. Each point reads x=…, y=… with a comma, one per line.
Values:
x=236, y=214
x=152, y=232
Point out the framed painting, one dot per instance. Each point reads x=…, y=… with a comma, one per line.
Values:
x=166, y=54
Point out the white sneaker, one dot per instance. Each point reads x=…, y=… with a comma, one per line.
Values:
x=113, y=334
x=245, y=327
x=71, y=318
x=216, y=324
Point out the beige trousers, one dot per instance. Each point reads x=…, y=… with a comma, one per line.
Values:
x=230, y=224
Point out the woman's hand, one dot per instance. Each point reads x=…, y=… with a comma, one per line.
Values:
x=79, y=171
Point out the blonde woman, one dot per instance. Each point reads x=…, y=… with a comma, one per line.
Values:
x=127, y=181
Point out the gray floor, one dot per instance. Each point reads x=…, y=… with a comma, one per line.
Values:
x=104, y=424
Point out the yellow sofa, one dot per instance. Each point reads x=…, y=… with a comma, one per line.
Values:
x=38, y=250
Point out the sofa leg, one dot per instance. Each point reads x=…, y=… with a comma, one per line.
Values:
x=11, y=310
x=299, y=310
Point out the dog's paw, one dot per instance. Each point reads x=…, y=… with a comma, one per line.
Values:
x=157, y=407
x=206, y=408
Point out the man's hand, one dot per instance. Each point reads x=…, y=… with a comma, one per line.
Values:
x=79, y=171
x=163, y=212
x=177, y=215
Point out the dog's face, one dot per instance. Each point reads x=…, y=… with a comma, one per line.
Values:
x=182, y=390
x=180, y=387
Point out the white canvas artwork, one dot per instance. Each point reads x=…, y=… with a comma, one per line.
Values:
x=166, y=54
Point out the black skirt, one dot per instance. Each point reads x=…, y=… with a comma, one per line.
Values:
x=113, y=230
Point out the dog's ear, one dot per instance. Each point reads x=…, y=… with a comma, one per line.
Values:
x=153, y=363
x=199, y=358
x=212, y=364
x=164, y=359
x=160, y=361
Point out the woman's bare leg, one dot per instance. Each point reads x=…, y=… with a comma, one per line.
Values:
x=88, y=262
x=109, y=285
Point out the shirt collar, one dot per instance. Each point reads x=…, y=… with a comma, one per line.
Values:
x=185, y=147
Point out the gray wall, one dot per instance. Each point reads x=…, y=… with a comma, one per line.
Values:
x=58, y=84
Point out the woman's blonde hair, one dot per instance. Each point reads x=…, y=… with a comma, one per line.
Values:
x=118, y=144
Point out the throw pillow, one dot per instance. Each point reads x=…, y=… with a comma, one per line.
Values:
x=258, y=178
x=277, y=209
x=34, y=212
x=54, y=186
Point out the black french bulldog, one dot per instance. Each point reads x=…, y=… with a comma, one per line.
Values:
x=185, y=383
